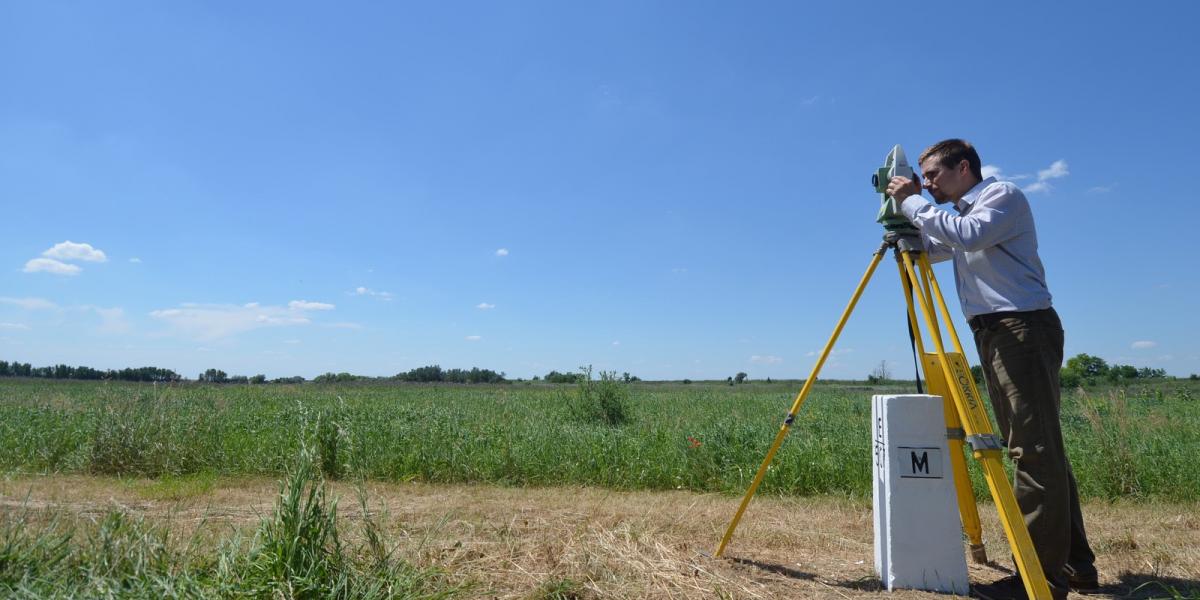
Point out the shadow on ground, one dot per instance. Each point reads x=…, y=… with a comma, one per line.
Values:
x=1137, y=586
x=1131, y=586
x=866, y=584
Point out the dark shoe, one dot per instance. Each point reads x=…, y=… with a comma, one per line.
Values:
x=1084, y=583
x=1009, y=588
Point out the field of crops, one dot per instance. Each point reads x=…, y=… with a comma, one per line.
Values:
x=1136, y=442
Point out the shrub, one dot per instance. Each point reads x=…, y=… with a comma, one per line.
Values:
x=604, y=401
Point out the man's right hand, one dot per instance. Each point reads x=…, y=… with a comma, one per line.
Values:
x=901, y=188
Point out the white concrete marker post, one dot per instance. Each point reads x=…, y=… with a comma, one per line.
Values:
x=918, y=535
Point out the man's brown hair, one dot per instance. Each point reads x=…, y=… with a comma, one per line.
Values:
x=949, y=153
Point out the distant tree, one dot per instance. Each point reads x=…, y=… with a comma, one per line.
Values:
x=342, y=377
x=556, y=377
x=1087, y=365
x=258, y=379
x=1117, y=373
x=1069, y=379
x=213, y=376
x=729, y=380
x=687, y=382
x=1148, y=373
x=289, y=380
x=977, y=374
x=880, y=373
x=239, y=379
x=435, y=373
x=739, y=378
x=431, y=373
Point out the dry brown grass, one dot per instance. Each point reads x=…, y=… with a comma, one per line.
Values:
x=593, y=543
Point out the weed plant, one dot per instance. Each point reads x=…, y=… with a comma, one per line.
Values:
x=604, y=402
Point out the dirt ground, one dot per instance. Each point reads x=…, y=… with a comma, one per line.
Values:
x=527, y=543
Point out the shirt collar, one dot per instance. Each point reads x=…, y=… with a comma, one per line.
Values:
x=973, y=194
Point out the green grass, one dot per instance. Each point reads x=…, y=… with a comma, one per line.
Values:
x=297, y=552
x=1124, y=442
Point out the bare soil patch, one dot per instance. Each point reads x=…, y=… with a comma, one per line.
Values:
x=595, y=543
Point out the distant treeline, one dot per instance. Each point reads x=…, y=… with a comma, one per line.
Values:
x=435, y=373
x=17, y=369
x=1083, y=369
x=427, y=374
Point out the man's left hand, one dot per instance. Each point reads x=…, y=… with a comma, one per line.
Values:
x=903, y=187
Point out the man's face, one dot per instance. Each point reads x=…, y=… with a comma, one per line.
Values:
x=947, y=184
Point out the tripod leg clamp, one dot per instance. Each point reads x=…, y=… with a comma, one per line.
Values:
x=985, y=441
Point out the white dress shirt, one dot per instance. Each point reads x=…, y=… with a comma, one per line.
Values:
x=994, y=246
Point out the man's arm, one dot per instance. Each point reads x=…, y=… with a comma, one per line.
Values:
x=935, y=250
x=991, y=221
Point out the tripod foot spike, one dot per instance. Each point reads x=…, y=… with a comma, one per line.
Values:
x=978, y=554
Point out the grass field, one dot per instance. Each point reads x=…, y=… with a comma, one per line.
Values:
x=1138, y=442
x=176, y=443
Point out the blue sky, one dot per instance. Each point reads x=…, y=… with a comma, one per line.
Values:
x=671, y=189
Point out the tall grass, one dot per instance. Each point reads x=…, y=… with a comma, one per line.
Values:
x=297, y=552
x=1132, y=442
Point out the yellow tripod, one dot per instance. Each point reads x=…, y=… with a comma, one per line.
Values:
x=947, y=375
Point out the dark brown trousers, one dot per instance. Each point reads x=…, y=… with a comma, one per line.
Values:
x=1021, y=354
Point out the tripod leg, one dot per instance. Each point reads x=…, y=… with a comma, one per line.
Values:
x=985, y=444
x=787, y=423
x=968, y=510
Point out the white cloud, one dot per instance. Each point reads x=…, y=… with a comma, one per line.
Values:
x=1143, y=345
x=49, y=265
x=998, y=173
x=485, y=306
x=345, y=325
x=69, y=250
x=291, y=342
x=135, y=260
x=1057, y=169
x=366, y=291
x=766, y=360
x=13, y=326
x=215, y=321
x=616, y=343
x=29, y=303
x=306, y=305
x=502, y=252
x=1101, y=189
x=474, y=338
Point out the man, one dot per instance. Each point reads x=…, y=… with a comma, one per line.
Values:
x=1002, y=287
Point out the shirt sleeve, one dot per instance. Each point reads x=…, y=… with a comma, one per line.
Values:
x=936, y=251
x=991, y=220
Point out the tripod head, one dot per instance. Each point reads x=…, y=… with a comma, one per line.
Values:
x=895, y=165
